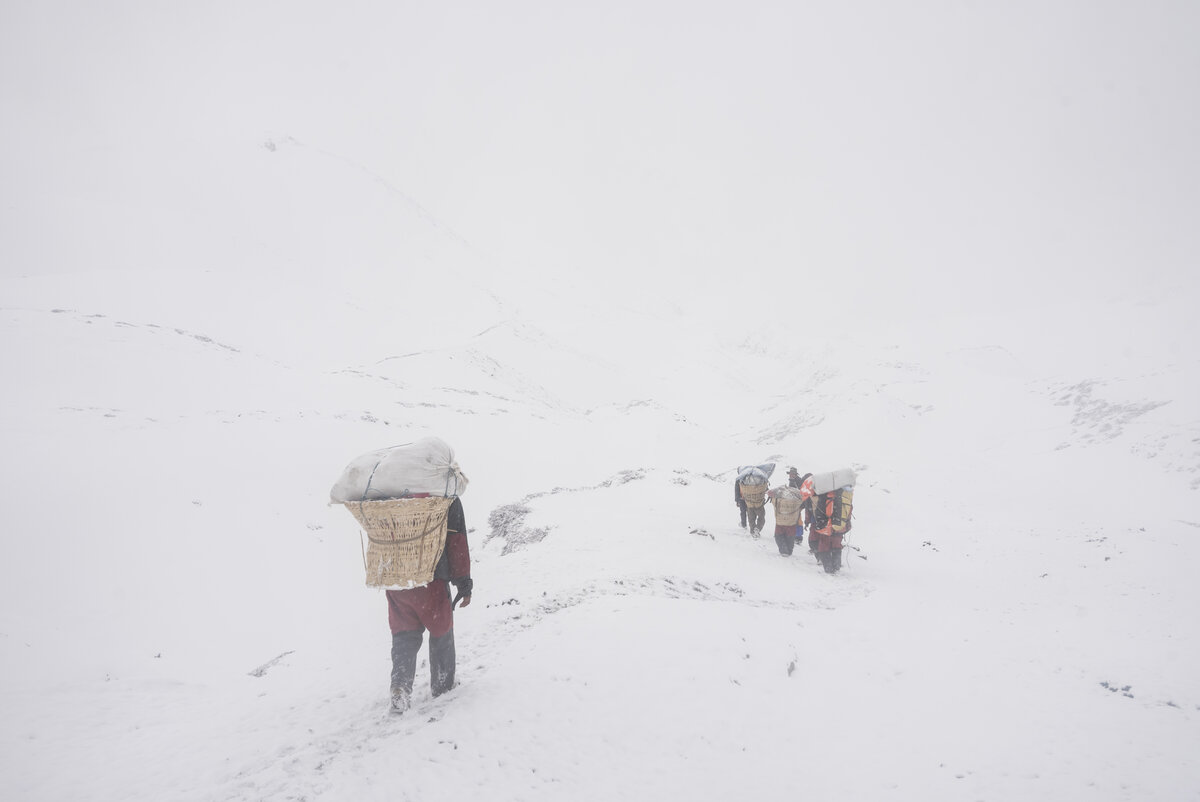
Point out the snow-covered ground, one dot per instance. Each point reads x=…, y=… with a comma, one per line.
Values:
x=219, y=283
x=1014, y=621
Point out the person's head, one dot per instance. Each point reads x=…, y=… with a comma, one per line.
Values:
x=793, y=472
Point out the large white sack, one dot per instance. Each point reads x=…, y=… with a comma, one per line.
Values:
x=756, y=474
x=828, y=482
x=788, y=492
x=426, y=466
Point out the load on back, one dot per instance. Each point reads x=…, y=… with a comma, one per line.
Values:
x=752, y=479
x=788, y=502
x=401, y=496
x=840, y=484
x=755, y=474
x=424, y=467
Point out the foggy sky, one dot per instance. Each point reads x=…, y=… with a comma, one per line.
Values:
x=911, y=155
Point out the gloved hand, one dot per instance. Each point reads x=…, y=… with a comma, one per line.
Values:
x=464, y=586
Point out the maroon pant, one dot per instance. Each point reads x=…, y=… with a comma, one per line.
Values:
x=410, y=613
x=785, y=537
x=419, y=609
x=824, y=542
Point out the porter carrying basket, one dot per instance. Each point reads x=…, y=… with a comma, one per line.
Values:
x=788, y=501
x=405, y=537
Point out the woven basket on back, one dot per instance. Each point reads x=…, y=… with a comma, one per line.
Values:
x=787, y=503
x=755, y=495
x=406, y=537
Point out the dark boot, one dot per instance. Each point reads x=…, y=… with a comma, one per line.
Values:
x=441, y=663
x=832, y=560
x=405, y=646
x=785, y=544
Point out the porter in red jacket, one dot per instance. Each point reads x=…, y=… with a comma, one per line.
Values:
x=411, y=612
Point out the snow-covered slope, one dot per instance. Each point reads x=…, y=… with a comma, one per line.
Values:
x=1019, y=586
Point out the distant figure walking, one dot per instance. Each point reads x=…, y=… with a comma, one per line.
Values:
x=788, y=502
x=829, y=504
x=407, y=499
x=796, y=481
x=752, y=492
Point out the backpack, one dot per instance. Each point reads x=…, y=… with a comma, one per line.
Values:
x=838, y=487
x=843, y=508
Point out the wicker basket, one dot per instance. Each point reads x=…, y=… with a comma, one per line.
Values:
x=406, y=537
x=787, y=507
x=755, y=495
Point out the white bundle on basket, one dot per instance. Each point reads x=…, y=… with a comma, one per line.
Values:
x=401, y=497
x=426, y=466
x=755, y=474
x=833, y=480
x=753, y=482
x=787, y=501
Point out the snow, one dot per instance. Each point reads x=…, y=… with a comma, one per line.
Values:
x=243, y=243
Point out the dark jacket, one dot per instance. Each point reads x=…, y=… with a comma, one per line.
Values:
x=455, y=563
